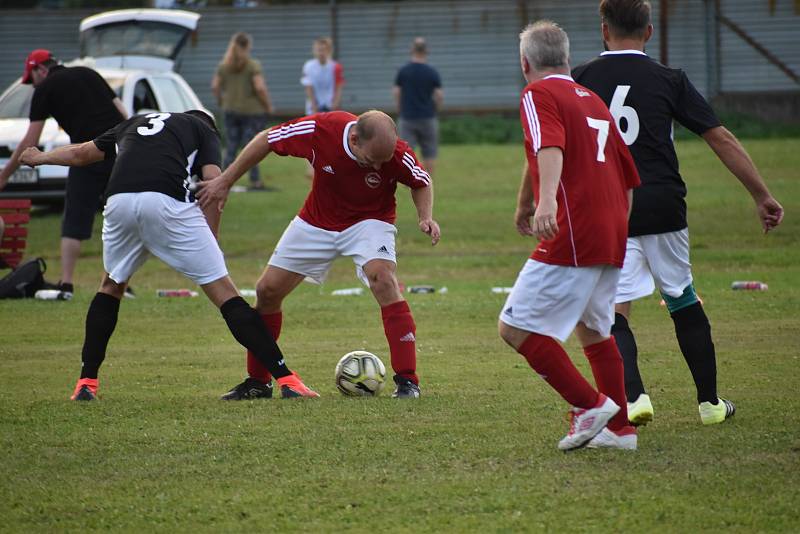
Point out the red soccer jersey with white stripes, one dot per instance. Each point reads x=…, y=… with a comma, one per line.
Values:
x=343, y=192
x=598, y=171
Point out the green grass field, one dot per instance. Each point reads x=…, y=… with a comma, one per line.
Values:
x=477, y=452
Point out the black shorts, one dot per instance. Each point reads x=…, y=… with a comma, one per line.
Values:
x=84, y=197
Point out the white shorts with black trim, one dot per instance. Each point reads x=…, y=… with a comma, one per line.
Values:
x=658, y=260
x=308, y=250
x=552, y=299
x=136, y=225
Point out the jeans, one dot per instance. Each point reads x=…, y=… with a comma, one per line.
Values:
x=239, y=130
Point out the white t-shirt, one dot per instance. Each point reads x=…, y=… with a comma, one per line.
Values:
x=323, y=79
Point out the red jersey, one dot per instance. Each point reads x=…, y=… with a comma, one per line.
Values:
x=343, y=192
x=598, y=170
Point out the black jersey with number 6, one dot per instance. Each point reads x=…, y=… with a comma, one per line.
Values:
x=644, y=97
x=159, y=152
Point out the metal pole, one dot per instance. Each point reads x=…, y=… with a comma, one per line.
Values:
x=663, y=31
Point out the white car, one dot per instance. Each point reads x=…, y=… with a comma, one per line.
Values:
x=135, y=51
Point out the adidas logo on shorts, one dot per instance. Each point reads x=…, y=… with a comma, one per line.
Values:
x=383, y=249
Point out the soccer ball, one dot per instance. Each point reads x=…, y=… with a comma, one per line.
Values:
x=360, y=374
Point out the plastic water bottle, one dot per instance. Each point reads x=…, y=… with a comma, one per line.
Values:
x=421, y=289
x=749, y=285
x=176, y=293
x=52, y=294
x=348, y=291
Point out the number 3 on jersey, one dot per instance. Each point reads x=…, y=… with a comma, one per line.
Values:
x=619, y=111
x=156, y=123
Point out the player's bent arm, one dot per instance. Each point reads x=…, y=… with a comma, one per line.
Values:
x=551, y=162
x=120, y=107
x=212, y=215
x=257, y=149
x=423, y=201
x=731, y=152
x=77, y=155
x=30, y=138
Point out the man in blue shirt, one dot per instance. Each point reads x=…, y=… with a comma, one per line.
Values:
x=418, y=95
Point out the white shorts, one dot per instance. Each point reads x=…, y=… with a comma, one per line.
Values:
x=658, y=260
x=551, y=299
x=136, y=225
x=308, y=250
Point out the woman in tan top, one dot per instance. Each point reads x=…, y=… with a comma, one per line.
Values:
x=242, y=94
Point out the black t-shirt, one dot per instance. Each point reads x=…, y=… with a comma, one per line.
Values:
x=79, y=99
x=159, y=152
x=417, y=82
x=644, y=97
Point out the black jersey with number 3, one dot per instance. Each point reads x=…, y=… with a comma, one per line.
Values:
x=644, y=97
x=159, y=152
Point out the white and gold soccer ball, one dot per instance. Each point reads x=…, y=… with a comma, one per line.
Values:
x=360, y=374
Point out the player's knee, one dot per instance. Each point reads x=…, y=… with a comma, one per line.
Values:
x=687, y=298
x=383, y=282
x=268, y=294
x=507, y=333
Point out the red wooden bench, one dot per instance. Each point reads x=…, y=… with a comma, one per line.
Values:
x=15, y=214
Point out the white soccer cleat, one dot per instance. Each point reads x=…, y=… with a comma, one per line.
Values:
x=587, y=423
x=624, y=438
x=640, y=411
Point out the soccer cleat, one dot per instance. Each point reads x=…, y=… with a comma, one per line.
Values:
x=249, y=389
x=129, y=293
x=85, y=390
x=712, y=414
x=292, y=387
x=640, y=411
x=587, y=423
x=406, y=389
x=624, y=438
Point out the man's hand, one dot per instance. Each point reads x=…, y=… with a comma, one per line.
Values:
x=431, y=227
x=29, y=156
x=544, y=219
x=770, y=212
x=522, y=220
x=211, y=192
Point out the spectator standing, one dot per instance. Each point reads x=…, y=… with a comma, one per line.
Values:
x=418, y=96
x=242, y=93
x=323, y=78
x=85, y=107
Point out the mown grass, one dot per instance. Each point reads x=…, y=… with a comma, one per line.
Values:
x=475, y=453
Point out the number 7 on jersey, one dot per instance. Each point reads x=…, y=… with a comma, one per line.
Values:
x=602, y=136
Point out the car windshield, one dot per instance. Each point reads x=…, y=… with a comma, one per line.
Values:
x=137, y=38
x=16, y=103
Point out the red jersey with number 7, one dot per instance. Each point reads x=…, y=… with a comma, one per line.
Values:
x=344, y=192
x=598, y=170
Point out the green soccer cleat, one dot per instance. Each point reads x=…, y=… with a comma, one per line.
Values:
x=712, y=414
x=640, y=411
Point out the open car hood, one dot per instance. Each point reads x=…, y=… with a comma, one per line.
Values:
x=147, y=39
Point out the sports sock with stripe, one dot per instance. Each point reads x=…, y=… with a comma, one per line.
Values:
x=552, y=363
x=248, y=328
x=101, y=319
x=400, y=330
x=694, y=338
x=606, y=363
x=255, y=369
x=626, y=343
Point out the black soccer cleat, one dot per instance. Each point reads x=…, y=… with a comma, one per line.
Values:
x=406, y=389
x=250, y=389
x=84, y=394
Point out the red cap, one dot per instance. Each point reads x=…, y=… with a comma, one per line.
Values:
x=35, y=58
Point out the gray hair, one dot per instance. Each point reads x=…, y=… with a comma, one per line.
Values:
x=545, y=45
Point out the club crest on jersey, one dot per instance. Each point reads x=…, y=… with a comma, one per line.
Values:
x=373, y=180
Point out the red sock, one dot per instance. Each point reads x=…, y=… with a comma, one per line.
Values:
x=606, y=362
x=398, y=324
x=255, y=369
x=552, y=363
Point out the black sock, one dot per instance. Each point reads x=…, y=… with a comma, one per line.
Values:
x=630, y=354
x=694, y=337
x=101, y=319
x=248, y=328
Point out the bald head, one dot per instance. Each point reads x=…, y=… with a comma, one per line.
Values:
x=375, y=137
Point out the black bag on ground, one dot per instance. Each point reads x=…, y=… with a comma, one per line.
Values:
x=24, y=281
